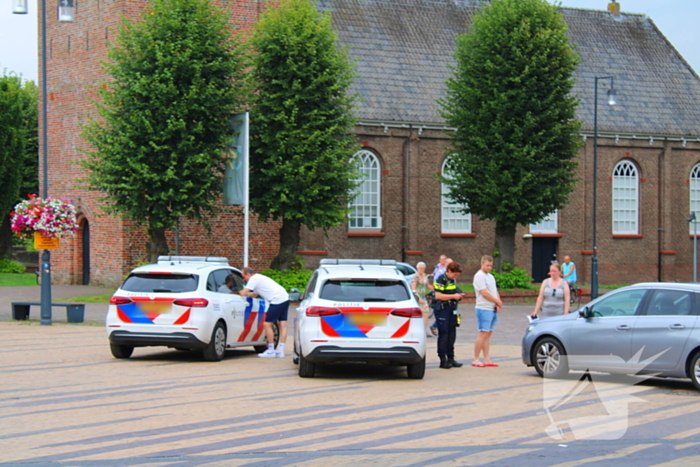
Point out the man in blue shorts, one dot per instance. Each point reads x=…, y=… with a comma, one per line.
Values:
x=488, y=304
x=278, y=298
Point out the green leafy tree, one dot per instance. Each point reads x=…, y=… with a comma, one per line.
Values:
x=158, y=149
x=512, y=156
x=301, y=122
x=18, y=149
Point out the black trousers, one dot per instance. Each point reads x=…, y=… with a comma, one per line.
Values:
x=447, y=332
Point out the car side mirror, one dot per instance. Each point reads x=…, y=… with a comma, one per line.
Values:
x=585, y=312
x=294, y=294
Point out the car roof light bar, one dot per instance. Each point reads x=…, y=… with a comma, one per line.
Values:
x=360, y=262
x=192, y=259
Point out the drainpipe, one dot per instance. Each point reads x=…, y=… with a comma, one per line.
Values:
x=406, y=193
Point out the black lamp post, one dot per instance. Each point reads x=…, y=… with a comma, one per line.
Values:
x=66, y=11
x=692, y=218
x=611, y=101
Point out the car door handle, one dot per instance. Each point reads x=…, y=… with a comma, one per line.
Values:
x=677, y=326
x=623, y=327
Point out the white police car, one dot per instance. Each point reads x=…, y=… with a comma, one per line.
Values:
x=359, y=311
x=183, y=302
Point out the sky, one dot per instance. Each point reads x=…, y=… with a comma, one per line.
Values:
x=676, y=19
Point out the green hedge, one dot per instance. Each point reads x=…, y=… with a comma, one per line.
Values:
x=515, y=278
x=14, y=267
x=290, y=279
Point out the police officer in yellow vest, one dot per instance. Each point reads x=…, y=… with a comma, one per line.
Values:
x=447, y=296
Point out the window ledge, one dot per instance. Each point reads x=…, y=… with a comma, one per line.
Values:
x=628, y=236
x=313, y=253
x=458, y=235
x=365, y=233
x=547, y=235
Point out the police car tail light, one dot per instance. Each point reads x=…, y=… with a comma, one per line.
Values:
x=408, y=313
x=119, y=300
x=192, y=302
x=321, y=311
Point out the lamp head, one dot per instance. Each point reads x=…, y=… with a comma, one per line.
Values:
x=19, y=7
x=691, y=217
x=612, y=97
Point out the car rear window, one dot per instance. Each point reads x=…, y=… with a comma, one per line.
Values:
x=364, y=291
x=163, y=283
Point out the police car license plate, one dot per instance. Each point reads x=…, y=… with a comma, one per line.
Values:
x=155, y=307
x=367, y=319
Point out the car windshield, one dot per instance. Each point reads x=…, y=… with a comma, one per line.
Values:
x=165, y=283
x=364, y=291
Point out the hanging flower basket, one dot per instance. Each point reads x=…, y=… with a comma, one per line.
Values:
x=51, y=217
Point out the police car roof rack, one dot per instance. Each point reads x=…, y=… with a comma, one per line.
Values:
x=192, y=259
x=358, y=262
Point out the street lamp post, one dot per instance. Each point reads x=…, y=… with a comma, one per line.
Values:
x=65, y=14
x=692, y=218
x=611, y=101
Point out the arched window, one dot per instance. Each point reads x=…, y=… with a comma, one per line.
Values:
x=625, y=198
x=547, y=225
x=695, y=195
x=453, y=219
x=364, y=208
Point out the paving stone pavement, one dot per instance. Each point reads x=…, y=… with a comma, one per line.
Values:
x=64, y=401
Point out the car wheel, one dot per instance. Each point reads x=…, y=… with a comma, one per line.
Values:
x=121, y=351
x=416, y=370
x=549, y=358
x=306, y=368
x=216, y=349
x=694, y=372
x=276, y=332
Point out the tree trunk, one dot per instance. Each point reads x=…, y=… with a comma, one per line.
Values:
x=289, y=244
x=5, y=238
x=505, y=245
x=157, y=244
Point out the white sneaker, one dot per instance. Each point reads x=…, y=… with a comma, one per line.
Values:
x=269, y=353
x=279, y=353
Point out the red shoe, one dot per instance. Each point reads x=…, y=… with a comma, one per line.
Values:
x=490, y=364
x=479, y=364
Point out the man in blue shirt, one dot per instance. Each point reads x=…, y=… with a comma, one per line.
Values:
x=568, y=271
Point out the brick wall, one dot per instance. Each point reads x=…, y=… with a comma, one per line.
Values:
x=663, y=248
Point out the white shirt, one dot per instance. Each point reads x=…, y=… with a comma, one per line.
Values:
x=485, y=281
x=267, y=289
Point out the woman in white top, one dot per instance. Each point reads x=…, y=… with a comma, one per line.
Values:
x=554, y=294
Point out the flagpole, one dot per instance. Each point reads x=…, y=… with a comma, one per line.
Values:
x=246, y=187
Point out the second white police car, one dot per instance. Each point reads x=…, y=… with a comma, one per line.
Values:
x=185, y=302
x=359, y=311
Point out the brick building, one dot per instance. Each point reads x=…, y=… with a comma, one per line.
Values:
x=106, y=248
x=648, y=148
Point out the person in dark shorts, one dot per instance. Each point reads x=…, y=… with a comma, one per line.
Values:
x=258, y=285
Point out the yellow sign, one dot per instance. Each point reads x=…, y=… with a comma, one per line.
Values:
x=42, y=242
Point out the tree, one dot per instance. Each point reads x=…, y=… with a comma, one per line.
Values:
x=18, y=149
x=512, y=156
x=301, y=122
x=158, y=149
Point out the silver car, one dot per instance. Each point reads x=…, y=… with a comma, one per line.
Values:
x=647, y=328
